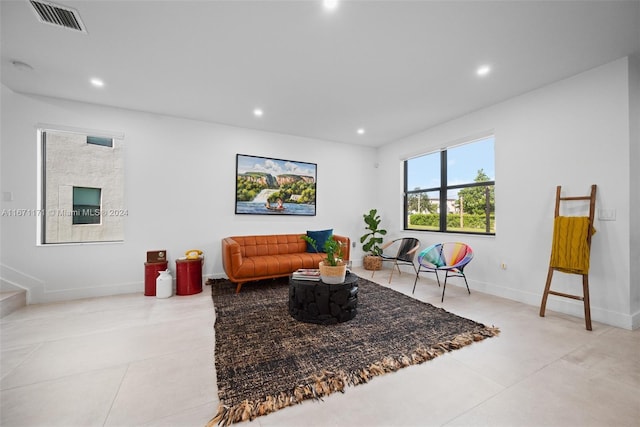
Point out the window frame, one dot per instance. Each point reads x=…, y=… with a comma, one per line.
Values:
x=443, y=190
x=80, y=214
x=101, y=141
x=116, y=212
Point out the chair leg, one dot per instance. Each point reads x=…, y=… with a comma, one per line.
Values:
x=393, y=269
x=400, y=271
x=416, y=281
x=543, y=305
x=465, y=282
x=445, y=285
x=587, y=308
x=458, y=274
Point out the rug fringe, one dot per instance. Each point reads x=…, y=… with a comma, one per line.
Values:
x=327, y=382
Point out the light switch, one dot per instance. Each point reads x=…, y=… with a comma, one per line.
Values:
x=7, y=196
x=607, y=214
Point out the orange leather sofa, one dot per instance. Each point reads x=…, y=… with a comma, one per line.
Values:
x=249, y=258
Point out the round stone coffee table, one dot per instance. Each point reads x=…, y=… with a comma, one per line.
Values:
x=317, y=302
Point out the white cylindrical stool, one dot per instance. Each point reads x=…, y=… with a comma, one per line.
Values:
x=164, y=284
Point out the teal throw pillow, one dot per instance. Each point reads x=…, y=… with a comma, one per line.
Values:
x=320, y=237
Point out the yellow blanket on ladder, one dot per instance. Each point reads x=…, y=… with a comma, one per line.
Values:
x=570, y=249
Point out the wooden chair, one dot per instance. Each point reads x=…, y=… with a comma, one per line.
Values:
x=570, y=250
x=404, y=256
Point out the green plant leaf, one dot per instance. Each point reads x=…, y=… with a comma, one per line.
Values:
x=371, y=239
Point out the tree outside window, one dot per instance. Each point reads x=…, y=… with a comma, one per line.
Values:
x=452, y=190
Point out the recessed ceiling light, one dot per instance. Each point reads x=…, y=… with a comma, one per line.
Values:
x=483, y=70
x=258, y=112
x=330, y=4
x=360, y=131
x=97, y=82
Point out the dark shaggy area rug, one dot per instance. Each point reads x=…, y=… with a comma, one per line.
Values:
x=266, y=360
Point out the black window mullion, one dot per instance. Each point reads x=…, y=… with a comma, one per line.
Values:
x=406, y=195
x=474, y=184
x=487, y=209
x=43, y=184
x=443, y=190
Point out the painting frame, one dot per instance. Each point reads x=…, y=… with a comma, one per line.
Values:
x=273, y=186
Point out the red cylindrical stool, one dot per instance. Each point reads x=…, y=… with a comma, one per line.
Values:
x=151, y=272
x=188, y=276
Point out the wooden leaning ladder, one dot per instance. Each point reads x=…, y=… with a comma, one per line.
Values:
x=585, y=277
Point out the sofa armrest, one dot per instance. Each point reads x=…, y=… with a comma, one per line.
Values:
x=231, y=256
x=346, y=245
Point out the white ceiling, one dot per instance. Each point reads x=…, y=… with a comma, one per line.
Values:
x=392, y=67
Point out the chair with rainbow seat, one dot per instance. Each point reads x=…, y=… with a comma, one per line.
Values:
x=450, y=257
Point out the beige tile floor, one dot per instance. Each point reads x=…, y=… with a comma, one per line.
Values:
x=131, y=360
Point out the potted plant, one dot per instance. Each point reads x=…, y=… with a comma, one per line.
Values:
x=372, y=240
x=332, y=269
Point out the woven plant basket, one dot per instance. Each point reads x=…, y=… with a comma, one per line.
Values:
x=371, y=262
x=332, y=274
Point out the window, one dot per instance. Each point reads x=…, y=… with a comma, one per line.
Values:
x=99, y=140
x=81, y=182
x=452, y=190
x=86, y=205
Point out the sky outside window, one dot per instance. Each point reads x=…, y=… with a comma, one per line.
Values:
x=463, y=164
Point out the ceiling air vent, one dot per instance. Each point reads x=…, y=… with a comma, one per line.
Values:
x=60, y=16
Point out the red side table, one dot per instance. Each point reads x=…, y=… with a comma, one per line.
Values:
x=151, y=272
x=188, y=276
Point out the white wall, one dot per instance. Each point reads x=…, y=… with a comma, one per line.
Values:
x=634, y=193
x=179, y=193
x=572, y=133
x=180, y=175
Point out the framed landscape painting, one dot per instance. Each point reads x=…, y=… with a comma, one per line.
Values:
x=267, y=186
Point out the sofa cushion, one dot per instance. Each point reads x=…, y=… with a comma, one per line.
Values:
x=279, y=244
x=320, y=236
x=277, y=265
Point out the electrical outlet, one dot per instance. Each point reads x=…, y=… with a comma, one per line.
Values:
x=503, y=265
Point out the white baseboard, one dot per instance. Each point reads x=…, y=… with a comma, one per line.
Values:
x=564, y=305
x=37, y=293
x=12, y=279
x=635, y=320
